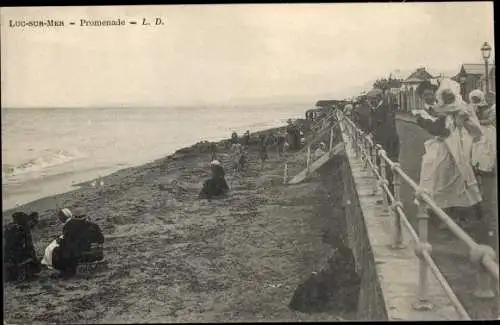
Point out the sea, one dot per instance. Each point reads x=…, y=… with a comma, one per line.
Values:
x=48, y=151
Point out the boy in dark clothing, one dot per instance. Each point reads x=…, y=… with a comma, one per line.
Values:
x=216, y=185
x=81, y=242
x=20, y=261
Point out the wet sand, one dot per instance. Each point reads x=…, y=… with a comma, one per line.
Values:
x=175, y=258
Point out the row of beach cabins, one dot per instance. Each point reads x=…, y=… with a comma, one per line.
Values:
x=402, y=91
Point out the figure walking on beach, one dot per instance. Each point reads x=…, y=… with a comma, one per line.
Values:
x=263, y=150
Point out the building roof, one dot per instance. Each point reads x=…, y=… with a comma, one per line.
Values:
x=475, y=68
x=418, y=75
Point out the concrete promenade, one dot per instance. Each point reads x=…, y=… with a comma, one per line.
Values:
x=397, y=270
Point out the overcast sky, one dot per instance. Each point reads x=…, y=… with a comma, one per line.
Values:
x=222, y=53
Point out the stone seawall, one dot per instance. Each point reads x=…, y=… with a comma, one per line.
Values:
x=389, y=278
x=371, y=301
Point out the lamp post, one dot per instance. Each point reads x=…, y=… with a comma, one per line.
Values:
x=486, y=51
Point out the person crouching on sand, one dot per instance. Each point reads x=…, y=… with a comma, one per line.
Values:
x=216, y=186
x=20, y=261
x=81, y=242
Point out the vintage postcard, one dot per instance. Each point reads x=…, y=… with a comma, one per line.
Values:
x=249, y=162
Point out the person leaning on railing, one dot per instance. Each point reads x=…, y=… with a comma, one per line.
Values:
x=446, y=169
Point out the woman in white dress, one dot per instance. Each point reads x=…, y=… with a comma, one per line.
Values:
x=446, y=171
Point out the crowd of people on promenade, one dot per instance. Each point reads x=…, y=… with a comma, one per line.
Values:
x=458, y=168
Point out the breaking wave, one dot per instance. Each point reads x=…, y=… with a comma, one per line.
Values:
x=48, y=159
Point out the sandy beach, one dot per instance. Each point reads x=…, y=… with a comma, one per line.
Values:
x=175, y=258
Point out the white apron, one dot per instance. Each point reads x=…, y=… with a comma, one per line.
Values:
x=446, y=171
x=47, y=257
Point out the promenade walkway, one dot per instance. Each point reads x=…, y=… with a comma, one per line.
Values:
x=450, y=254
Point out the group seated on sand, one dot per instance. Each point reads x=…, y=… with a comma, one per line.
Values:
x=81, y=242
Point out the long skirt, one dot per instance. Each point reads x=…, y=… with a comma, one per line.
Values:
x=441, y=176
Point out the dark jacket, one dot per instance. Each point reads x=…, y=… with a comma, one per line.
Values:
x=383, y=129
x=436, y=128
x=214, y=186
x=78, y=236
x=18, y=243
x=362, y=117
x=20, y=260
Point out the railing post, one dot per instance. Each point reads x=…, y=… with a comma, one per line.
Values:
x=398, y=230
x=308, y=159
x=423, y=303
x=383, y=180
x=483, y=288
x=285, y=174
x=331, y=139
x=365, y=154
x=355, y=143
x=373, y=153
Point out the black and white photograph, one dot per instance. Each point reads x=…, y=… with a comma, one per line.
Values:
x=278, y=162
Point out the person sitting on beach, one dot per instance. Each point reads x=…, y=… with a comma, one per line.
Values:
x=215, y=186
x=20, y=261
x=81, y=242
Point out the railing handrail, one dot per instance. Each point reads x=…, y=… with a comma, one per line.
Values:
x=487, y=260
x=312, y=141
x=424, y=254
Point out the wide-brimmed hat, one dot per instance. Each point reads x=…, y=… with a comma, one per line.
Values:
x=78, y=212
x=477, y=97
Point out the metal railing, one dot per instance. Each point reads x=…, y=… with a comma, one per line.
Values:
x=481, y=255
x=318, y=130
